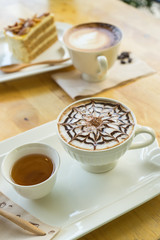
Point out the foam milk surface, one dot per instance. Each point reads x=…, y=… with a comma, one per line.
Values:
x=96, y=125
x=91, y=38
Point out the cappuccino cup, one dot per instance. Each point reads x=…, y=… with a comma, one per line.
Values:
x=98, y=131
x=93, y=48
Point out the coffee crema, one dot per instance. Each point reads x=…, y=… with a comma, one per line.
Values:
x=92, y=36
x=95, y=124
x=32, y=169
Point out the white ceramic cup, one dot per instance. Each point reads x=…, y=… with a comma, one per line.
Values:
x=94, y=63
x=32, y=191
x=104, y=160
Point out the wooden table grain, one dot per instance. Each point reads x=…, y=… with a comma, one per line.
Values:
x=31, y=101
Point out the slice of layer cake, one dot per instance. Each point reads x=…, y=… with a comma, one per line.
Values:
x=29, y=38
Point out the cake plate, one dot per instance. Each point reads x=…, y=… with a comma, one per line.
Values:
x=56, y=51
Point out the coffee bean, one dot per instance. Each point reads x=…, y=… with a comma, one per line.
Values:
x=124, y=58
x=123, y=62
x=125, y=54
x=119, y=57
x=129, y=60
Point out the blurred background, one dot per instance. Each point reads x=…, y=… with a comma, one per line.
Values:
x=152, y=6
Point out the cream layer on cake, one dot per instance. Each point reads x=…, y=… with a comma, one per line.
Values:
x=38, y=38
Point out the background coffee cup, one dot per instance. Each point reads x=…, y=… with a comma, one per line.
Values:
x=93, y=48
x=98, y=161
x=31, y=191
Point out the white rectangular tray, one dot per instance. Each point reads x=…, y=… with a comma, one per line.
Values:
x=81, y=201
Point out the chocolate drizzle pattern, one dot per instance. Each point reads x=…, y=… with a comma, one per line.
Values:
x=96, y=123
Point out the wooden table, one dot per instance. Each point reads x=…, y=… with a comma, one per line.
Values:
x=32, y=101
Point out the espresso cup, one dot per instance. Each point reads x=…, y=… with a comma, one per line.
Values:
x=34, y=191
x=98, y=131
x=93, y=48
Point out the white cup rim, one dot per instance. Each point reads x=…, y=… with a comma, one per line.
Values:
x=98, y=98
x=9, y=180
x=95, y=50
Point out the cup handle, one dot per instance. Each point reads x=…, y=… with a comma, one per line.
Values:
x=145, y=142
x=103, y=65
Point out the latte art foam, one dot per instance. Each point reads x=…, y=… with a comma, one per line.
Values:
x=91, y=38
x=95, y=125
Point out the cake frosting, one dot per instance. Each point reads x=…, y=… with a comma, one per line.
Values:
x=95, y=125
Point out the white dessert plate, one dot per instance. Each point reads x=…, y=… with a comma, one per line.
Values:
x=81, y=201
x=56, y=51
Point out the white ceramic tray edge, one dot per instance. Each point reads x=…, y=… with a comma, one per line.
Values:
x=35, y=134
x=108, y=213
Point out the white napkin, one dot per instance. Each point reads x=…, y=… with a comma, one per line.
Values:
x=74, y=86
x=10, y=231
